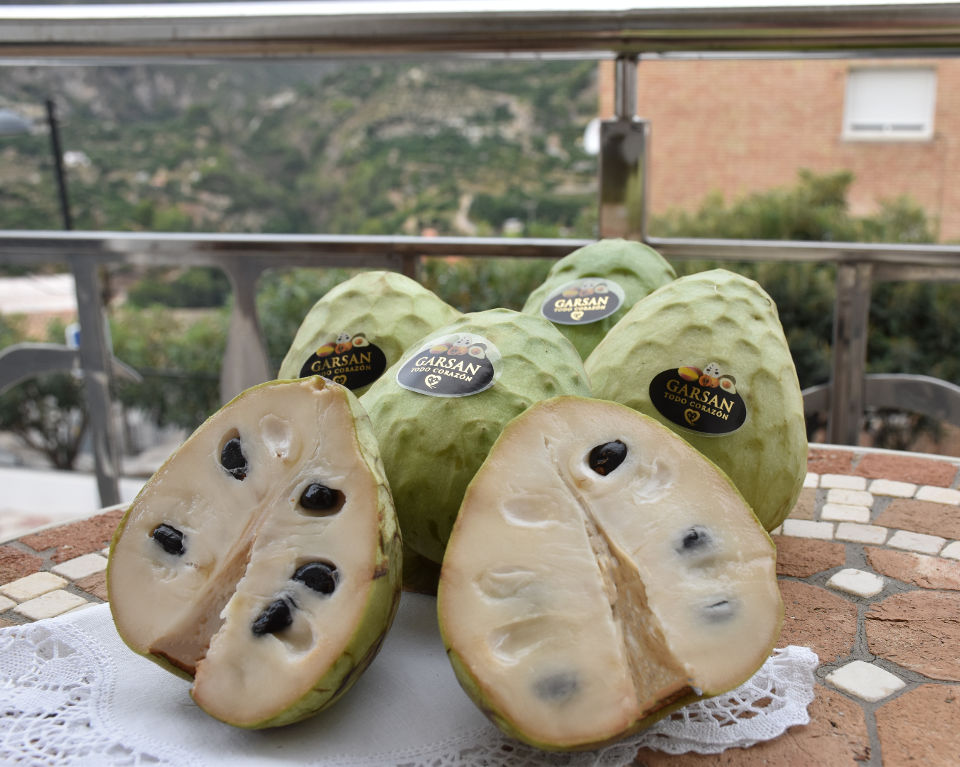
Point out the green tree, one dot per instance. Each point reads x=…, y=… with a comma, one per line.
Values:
x=179, y=359
x=476, y=285
x=194, y=287
x=815, y=208
x=911, y=330
x=46, y=413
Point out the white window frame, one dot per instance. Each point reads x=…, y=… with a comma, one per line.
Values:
x=890, y=103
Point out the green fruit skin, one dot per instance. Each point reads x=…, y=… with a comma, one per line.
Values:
x=392, y=311
x=637, y=268
x=474, y=690
x=717, y=316
x=383, y=599
x=432, y=446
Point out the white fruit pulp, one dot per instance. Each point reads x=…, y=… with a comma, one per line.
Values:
x=569, y=595
x=243, y=541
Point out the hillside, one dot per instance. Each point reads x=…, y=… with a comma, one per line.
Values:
x=458, y=147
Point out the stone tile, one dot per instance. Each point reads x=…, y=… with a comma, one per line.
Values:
x=4, y=623
x=802, y=557
x=15, y=564
x=843, y=482
x=916, y=569
x=915, y=469
x=918, y=630
x=857, y=582
x=818, y=619
x=32, y=586
x=893, y=488
x=95, y=584
x=81, y=567
x=76, y=538
x=849, y=531
x=922, y=517
x=830, y=461
x=951, y=550
x=939, y=495
x=805, y=507
x=6, y=604
x=803, y=528
x=811, y=480
x=50, y=604
x=923, y=544
x=841, y=512
x=850, y=497
x=85, y=606
x=835, y=737
x=920, y=726
x=866, y=681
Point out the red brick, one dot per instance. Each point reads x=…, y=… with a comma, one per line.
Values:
x=919, y=630
x=815, y=618
x=916, y=569
x=906, y=468
x=836, y=734
x=920, y=727
x=76, y=538
x=821, y=461
x=16, y=564
x=802, y=557
x=95, y=584
x=921, y=517
x=806, y=505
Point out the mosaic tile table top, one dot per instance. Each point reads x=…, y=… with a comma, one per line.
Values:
x=869, y=568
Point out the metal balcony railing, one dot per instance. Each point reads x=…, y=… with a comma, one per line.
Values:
x=624, y=31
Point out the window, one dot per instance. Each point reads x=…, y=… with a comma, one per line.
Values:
x=890, y=103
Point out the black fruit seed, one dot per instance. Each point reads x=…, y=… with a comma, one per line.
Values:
x=695, y=540
x=322, y=577
x=607, y=457
x=720, y=611
x=275, y=617
x=317, y=497
x=558, y=687
x=168, y=538
x=233, y=459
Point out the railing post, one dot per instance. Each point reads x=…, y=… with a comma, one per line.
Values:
x=95, y=360
x=848, y=368
x=245, y=360
x=623, y=160
x=410, y=265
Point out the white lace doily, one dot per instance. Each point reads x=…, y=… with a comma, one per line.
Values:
x=72, y=694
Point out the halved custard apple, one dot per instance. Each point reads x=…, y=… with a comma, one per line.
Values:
x=602, y=573
x=263, y=559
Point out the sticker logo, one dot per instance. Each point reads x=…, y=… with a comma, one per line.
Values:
x=455, y=365
x=350, y=360
x=583, y=301
x=704, y=400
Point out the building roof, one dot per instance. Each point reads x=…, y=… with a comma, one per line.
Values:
x=38, y=294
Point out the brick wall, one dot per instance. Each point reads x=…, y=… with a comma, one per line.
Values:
x=742, y=126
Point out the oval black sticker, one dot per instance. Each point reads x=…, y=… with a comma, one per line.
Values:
x=451, y=366
x=583, y=301
x=351, y=360
x=704, y=400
